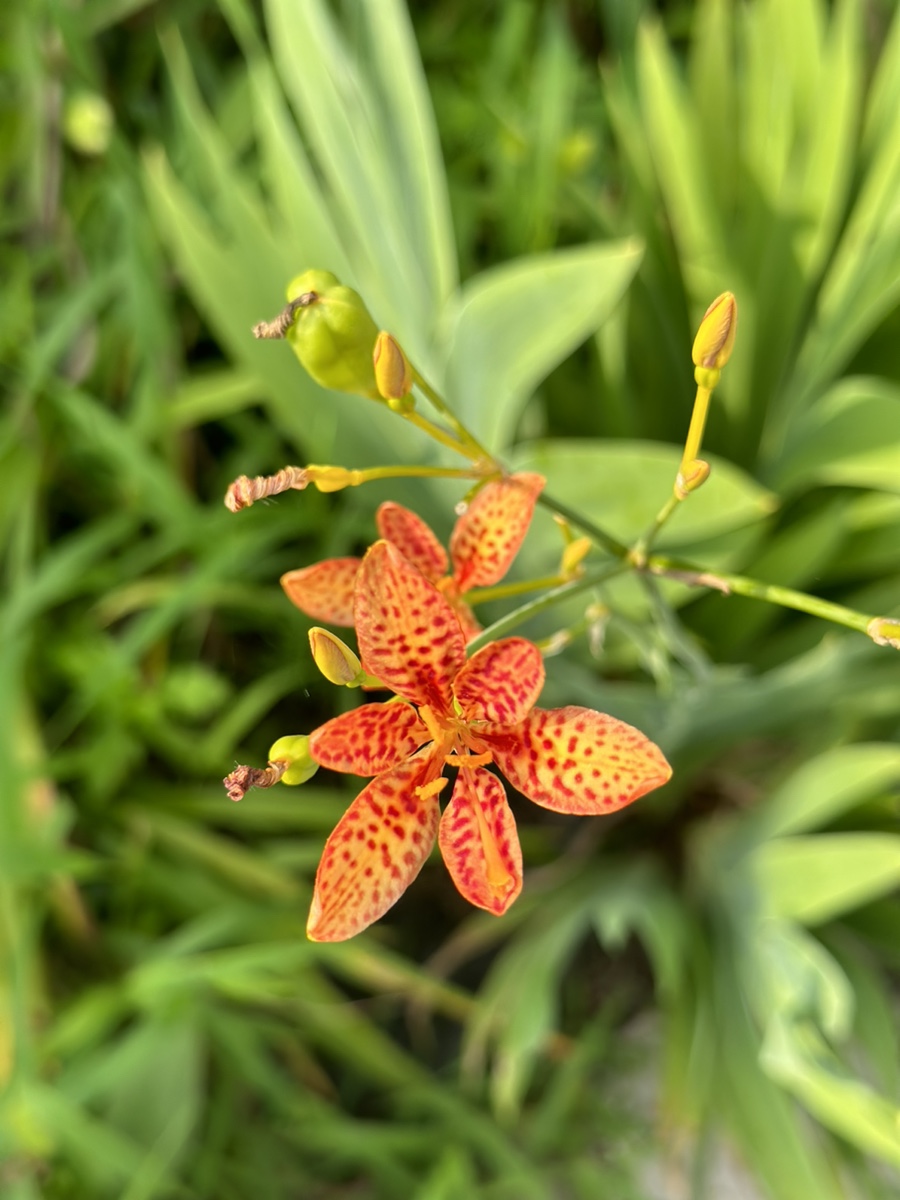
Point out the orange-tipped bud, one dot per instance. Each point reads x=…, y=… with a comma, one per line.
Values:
x=884, y=632
x=715, y=339
x=691, y=476
x=293, y=754
x=335, y=659
x=393, y=373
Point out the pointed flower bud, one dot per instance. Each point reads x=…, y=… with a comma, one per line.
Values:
x=715, y=339
x=330, y=331
x=884, y=632
x=692, y=475
x=293, y=754
x=393, y=372
x=335, y=659
x=573, y=556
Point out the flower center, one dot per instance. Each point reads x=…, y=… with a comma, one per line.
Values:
x=454, y=743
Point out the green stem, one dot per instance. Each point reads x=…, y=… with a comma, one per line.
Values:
x=504, y=590
x=402, y=472
x=457, y=445
x=643, y=544
x=772, y=593
x=519, y=615
x=475, y=449
x=600, y=536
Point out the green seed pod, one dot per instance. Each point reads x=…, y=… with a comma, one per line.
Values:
x=294, y=751
x=332, y=333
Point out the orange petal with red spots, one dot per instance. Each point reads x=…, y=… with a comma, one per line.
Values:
x=479, y=842
x=324, y=590
x=413, y=538
x=369, y=739
x=375, y=852
x=501, y=683
x=575, y=760
x=409, y=636
x=488, y=535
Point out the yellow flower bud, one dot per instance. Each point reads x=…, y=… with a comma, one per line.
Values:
x=573, y=556
x=335, y=659
x=715, y=337
x=691, y=476
x=332, y=333
x=393, y=373
x=295, y=752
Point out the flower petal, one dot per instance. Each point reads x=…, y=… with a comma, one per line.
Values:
x=375, y=852
x=413, y=538
x=488, y=535
x=575, y=760
x=369, y=739
x=409, y=636
x=501, y=682
x=324, y=590
x=479, y=842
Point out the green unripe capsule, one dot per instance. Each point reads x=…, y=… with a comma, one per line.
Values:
x=332, y=333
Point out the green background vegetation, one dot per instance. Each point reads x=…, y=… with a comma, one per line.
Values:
x=539, y=200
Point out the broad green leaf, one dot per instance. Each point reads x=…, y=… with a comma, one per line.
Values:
x=681, y=166
x=513, y=324
x=875, y=1024
x=527, y=986
x=622, y=485
x=832, y=111
x=416, y=160
x=764, y=1121
x=794, y=976
x=714, y=86
x=372, y=162
x=641, y=904
x=828, y=785
x=851, y=436
x=797, y=1056
x=814, y=879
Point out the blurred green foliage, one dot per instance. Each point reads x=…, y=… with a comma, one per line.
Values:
x=702, y=991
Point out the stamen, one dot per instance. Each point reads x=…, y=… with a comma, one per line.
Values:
x=468, y=762
x=427, y=790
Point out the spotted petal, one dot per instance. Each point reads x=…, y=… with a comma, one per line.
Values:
x=488, y=535
x=409, y=637
x=375, y=852
x=501, y=682
x=413, y=538
x=575, y=760
x=369, y=739
x=479, y=842
x=324, y=591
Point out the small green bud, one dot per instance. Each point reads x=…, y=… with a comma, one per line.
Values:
x=332, y=333
x=293, y=751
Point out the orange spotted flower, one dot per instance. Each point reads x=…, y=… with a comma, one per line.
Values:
x=457, y=712
x=485, y=540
